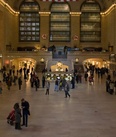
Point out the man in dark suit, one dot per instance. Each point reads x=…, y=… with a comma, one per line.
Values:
x=25, y=111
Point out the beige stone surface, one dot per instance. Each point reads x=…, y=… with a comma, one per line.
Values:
x=89, y=112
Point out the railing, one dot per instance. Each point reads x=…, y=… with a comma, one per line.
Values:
x=58, y=54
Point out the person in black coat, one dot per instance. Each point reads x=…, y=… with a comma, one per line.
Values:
x=43, y=81
x=19, y=82
x=25, y=111
x=86, y=76
x=73, y=82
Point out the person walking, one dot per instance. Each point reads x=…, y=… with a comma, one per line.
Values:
x=115, y=87
x=111, y=87
x=43, y=81
x=25, y=111
x=73, y=82
x=86, y=76
x=19, y=82
x=66, y=89
x=17, y=116
x=107, y=85
x=56, y=85
x=0, y=87
x=47, y=87
x=37, y=83
x=9, y=83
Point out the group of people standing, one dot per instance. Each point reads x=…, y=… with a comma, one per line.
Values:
x=21, y=114
x=62, y=84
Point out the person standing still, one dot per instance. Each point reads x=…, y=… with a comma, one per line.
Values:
x=25, y=111
x=17, y=116
x=47, y=87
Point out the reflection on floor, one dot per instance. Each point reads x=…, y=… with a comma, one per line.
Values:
x=90, y=112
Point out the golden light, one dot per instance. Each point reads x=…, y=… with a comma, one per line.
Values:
x=112, y=7
x=59, y=64
x=42, y=60
x=76, y=60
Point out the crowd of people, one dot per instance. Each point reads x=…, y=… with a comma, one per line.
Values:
x=100, y=72
x=22, y=75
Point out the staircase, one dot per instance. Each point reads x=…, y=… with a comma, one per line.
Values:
x=59, y=53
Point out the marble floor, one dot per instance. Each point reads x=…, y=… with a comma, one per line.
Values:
x=89, y=112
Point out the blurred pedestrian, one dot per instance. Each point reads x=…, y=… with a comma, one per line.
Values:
x=0, y=87
x=66, y=89
x=47, y=87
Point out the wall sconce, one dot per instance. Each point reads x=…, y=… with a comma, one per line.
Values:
x=42, y=60
x=76, y=60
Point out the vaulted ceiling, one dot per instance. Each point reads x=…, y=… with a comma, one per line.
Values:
x=105, y=4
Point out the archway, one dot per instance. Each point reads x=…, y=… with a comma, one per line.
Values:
x=22, y=62
x=97, y=62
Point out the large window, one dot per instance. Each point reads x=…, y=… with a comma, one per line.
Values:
x=60, y=22
x=29, y=26
x=90, y=22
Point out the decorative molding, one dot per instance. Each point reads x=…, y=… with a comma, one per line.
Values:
x=108, y=11
x=8, y=7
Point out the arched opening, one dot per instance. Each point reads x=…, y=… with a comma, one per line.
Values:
x=19, y=63
x=97, y=62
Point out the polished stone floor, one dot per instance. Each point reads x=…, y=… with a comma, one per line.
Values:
x=89, y=112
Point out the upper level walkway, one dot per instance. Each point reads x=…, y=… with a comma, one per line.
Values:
x=89, y=112
x=48, y=55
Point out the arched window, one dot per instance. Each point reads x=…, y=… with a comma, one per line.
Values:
x=60, y=22
x=90, y=22
x=29, y=26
